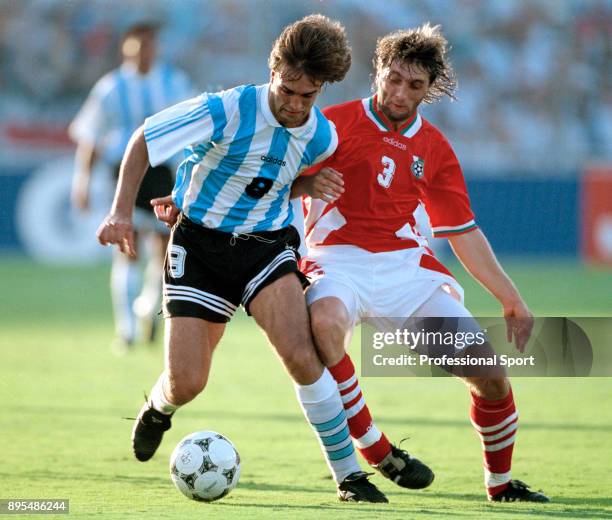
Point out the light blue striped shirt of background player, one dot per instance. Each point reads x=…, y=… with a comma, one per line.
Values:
x=240, y=161
x=121, y=100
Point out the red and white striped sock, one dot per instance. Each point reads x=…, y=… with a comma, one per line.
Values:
x=496, y=423
x=370, y=441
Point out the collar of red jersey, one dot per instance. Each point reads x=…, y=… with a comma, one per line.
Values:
x=409, y=129
x=298, y=131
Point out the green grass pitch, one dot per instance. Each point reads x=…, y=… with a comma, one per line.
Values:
x=63, y=396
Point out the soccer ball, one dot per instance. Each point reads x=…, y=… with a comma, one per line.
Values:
x=205, y=466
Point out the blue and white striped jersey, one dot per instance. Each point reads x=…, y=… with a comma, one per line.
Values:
x=240, y=162
x=121, y=100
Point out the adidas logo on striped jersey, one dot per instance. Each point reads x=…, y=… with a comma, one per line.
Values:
x=273, y=160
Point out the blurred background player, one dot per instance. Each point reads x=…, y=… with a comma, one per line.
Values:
x=367, y=261
x=117, y=105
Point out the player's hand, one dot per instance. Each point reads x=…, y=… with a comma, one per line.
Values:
x=165, y=210
x=519, y=323
x=117, y=230
x=327, y=185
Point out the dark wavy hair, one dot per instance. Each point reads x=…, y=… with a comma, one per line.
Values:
x=425, y=46
x=315, y=46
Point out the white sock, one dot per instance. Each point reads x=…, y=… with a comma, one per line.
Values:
x=125, y=284
x=323, y=408
x=158, y=399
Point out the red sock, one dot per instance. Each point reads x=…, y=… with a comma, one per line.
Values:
x=496, y=423
x=370, y=442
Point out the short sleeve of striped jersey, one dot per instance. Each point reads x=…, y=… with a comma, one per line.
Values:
x=332, y=145
x=447, y=202
x=91, y=121
x=201, y=119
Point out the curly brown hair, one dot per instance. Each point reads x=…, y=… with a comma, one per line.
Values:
x=425, y=46
x=315, y=46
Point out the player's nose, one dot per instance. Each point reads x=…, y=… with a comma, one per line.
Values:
x=401, y=95
x=296, y=104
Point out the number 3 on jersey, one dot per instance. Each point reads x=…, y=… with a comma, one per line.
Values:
x=385, y=178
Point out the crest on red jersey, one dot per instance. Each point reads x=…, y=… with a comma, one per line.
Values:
x=417, y=167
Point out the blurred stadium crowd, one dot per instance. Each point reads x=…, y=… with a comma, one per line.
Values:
x=535, y=76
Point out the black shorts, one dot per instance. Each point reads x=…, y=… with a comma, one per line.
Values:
x=208, y=273
x=157, y=182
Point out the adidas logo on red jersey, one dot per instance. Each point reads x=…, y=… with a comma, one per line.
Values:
x=394, y=142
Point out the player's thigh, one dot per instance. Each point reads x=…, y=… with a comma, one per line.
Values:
x=443, y=314
x=280, y=310
x=336, y=295
x=443, y=303
x=189, y=344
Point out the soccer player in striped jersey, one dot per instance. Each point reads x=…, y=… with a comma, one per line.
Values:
x=233, y=244
x=116, y=106
x=366, y=260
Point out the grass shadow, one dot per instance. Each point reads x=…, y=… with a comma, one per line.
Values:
x=94, y=477
x=595, y=507
x=296, y=417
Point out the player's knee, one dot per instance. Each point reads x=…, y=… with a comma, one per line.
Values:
x=328, y=324
x=329, y=332
x=489, y=388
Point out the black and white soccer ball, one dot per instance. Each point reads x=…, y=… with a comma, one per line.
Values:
x=205, y=466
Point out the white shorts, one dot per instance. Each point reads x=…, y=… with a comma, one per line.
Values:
x=146, y=222
x=376, y=286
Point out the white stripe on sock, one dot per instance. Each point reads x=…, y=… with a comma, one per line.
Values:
x=340, y=445
x=495, y=479
x=489, y=429
x=372, y=436
x=348, y=383
x=351, y=395
x=335, y=430
x=499, y=445
x=500, y=435
x=356, y=408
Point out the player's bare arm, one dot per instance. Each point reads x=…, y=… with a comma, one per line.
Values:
x=476, y=255
x=117, y=228
x=85, y=159
x=327, y=184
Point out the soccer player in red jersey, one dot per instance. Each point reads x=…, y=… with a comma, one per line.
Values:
x=366, y=259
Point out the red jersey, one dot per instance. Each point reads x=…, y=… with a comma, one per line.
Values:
x=387, y=174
